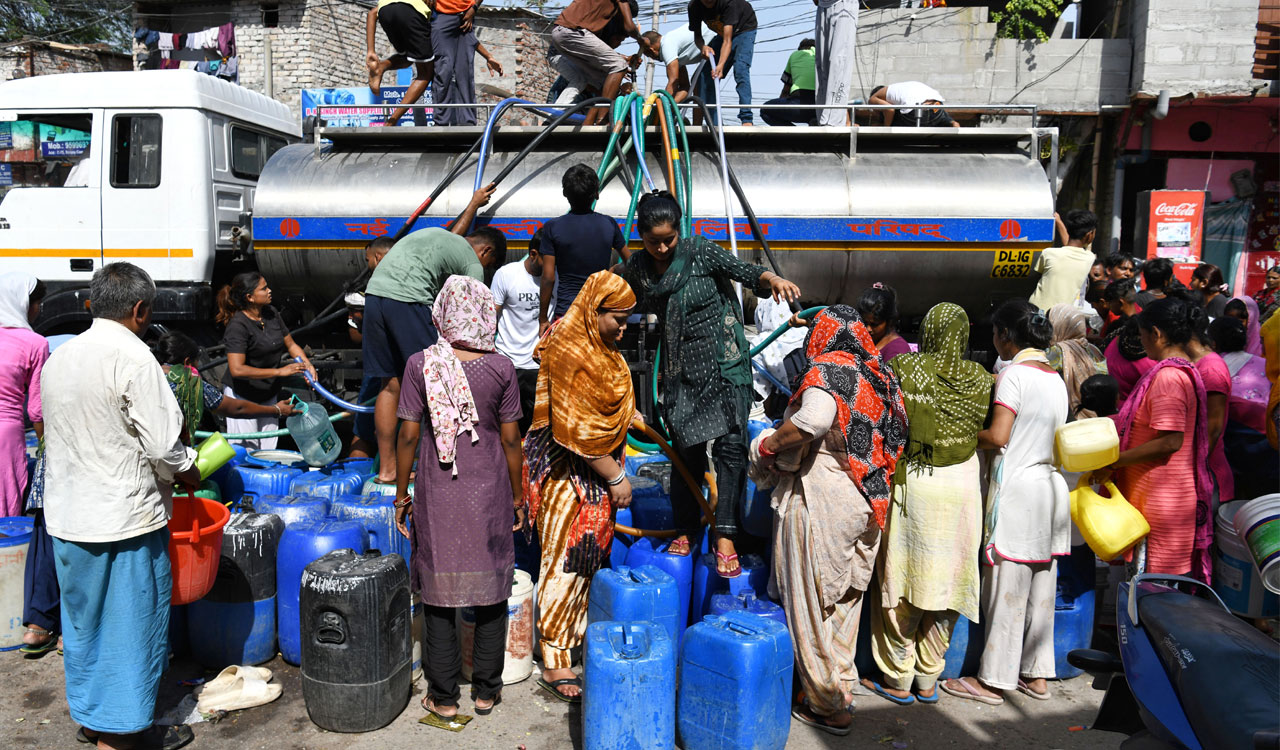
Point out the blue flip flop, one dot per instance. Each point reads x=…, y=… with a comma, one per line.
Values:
x=931, y=699
x=880, y=691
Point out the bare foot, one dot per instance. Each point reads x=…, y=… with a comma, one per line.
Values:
x=871, y=685
x=747, y=124
x=385, y=479
x=375, y=79
x=1038, y=686
x=568, y=691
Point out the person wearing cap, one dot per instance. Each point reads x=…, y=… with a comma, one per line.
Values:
x=917, y=103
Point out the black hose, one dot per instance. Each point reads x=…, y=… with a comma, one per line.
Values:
x=546, y=131
x=756, y=232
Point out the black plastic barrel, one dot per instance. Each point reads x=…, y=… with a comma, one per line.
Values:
x=235, y=623
x=356, y=647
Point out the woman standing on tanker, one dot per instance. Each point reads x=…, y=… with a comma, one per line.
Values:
x=706, y=371
x=256, y=338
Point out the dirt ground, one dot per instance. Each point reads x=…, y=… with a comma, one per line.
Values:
x=33, y=712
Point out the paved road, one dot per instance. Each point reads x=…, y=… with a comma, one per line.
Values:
x=33, y=714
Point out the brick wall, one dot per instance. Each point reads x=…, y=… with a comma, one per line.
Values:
x=47, y=58
x=321, y=44
x=956, y=51
x=1188, y=47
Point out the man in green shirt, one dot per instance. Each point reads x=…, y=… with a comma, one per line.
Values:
x=397, y=312
x=798, y=84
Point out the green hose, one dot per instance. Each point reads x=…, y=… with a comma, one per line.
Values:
x=269, y=433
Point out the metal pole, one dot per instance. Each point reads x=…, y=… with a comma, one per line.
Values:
x=648, y=75
x=268, y=85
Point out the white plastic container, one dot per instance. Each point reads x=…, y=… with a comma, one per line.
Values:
x=313, y=433
x=15, y=540
x=1258, y=526
x=417, y=622
x=518, y=664
x=1087, y=444
x=1235, y=577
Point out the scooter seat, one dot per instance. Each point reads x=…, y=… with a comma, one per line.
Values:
x=1226, y=673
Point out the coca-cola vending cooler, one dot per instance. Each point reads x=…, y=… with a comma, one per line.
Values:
x=1170, y=224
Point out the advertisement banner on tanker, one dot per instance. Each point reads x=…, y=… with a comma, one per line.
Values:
x=354, y=107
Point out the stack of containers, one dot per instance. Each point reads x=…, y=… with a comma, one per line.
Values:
x=235, y=623
x=630, y=659
x=302, y=543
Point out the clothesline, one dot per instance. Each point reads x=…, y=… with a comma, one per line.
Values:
x=220, y=40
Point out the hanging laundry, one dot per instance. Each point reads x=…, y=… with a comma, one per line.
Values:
x=203, y=67
x=230, y=69
x=146, y=36
x=169, y=64
x=227, y=40
x=166, y=41
x=204, y=39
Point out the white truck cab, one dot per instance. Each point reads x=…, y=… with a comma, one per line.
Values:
x=157, y=168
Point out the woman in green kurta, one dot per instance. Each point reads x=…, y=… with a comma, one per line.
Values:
x=706, y=369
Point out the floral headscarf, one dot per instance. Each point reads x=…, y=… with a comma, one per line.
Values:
x=844, y=362
x=465, y=314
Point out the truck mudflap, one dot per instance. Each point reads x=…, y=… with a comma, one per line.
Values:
x=68, y=305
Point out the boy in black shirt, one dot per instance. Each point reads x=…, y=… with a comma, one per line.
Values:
x=576, y=244
x=734, y=22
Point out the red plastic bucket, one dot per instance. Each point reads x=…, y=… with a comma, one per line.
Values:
x=195, y=546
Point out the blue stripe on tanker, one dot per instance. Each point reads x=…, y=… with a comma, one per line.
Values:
x=824, y=229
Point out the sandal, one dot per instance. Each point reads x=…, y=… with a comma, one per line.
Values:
x=880, y=691
x=679, y=547
x=431, y=709
x=154, y=738
x=968, y=692
x=497, y=699
x=802, y=713
x=1026, y=690
x=728, y=560
x=36, y=650
x=553, y=687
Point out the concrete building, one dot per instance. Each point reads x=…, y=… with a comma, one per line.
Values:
x=1148, y=95
x=286, y=46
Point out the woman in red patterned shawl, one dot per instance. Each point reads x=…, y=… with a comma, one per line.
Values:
x=835, y=454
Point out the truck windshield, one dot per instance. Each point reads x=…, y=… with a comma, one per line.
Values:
x=45, y=150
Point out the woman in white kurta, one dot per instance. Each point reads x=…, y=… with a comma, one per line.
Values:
x=1028, y=520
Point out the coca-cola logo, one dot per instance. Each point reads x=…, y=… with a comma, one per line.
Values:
x=1176, y=209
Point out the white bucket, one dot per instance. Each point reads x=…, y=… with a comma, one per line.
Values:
x=1258, y=525
x=1234, y=576
x=15, y=540
x=518, y=664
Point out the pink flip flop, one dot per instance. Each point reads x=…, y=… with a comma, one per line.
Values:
x=968, y=692
x=727, y=559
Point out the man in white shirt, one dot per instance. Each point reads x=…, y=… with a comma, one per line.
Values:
x=517, y=290
x=676, y=49
x=113, y=448
x=918, y=105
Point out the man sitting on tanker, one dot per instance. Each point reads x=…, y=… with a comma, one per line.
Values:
x=583, y=41
x=920, y=101
x=397, y=313
x=407, y=24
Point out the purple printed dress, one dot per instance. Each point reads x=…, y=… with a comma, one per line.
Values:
x=463, y=554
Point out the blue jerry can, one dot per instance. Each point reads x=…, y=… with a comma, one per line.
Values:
x=292, y=508
x=747, y=602
x=644, y=552
x=303, y=543
x=626, y=594
x=707, y=582
x=735, y=684
x=628, y=702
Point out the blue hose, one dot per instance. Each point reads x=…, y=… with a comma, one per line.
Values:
x=769, y=377
x=488, y=133
x=637, y=138
x=327, y=395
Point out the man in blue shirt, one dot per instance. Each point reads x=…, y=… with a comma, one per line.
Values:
x=577, y=244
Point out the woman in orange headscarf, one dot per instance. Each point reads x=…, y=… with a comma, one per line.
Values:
x=573, y=472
